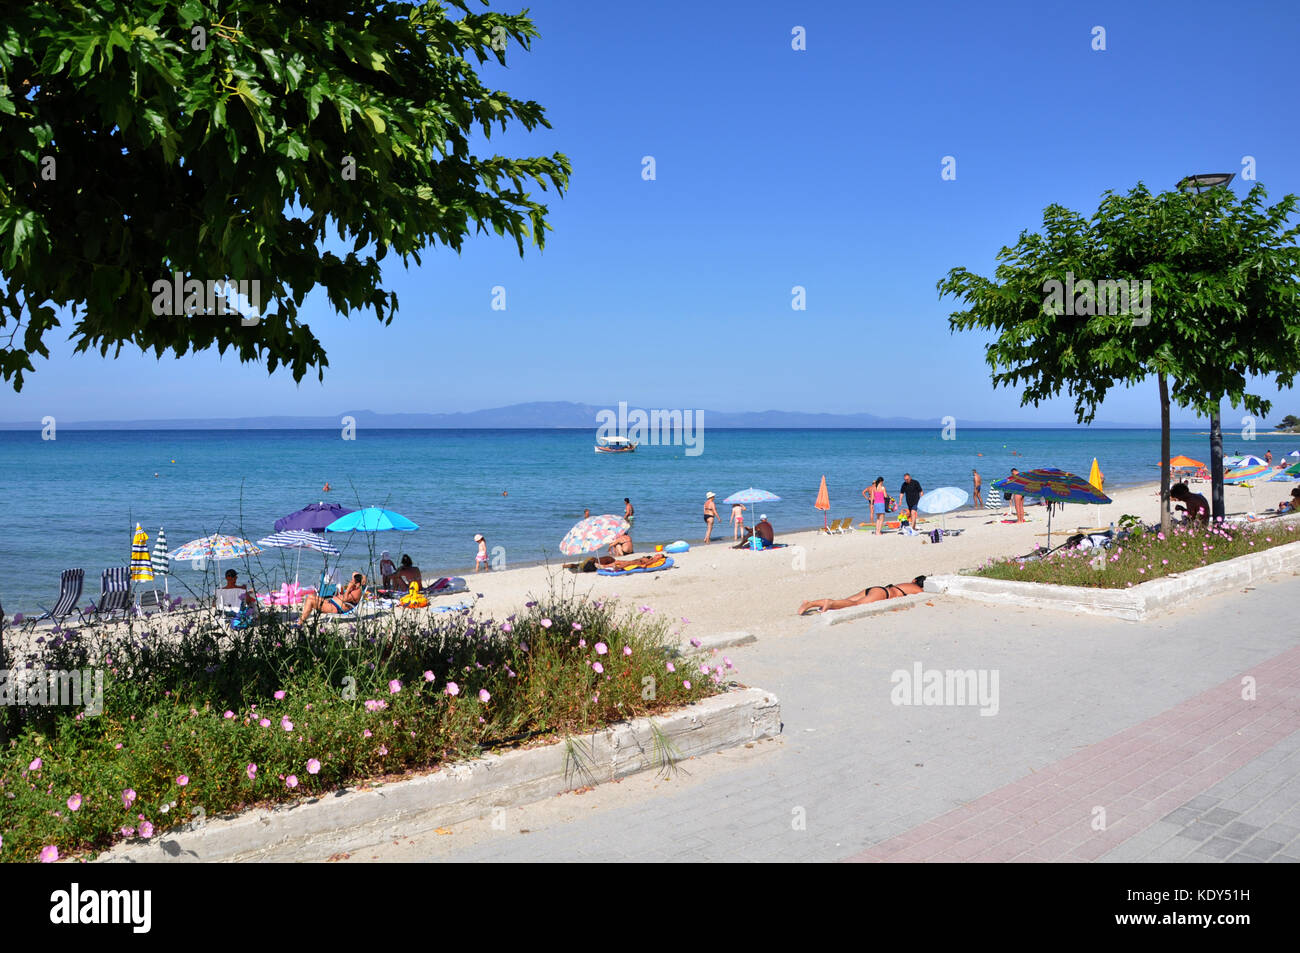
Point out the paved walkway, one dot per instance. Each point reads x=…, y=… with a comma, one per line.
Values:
x=1174, y=739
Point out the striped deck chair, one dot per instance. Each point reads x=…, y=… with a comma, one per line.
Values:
x=70, y=583
x=115, y=591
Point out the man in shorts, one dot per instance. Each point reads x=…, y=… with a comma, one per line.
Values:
x=911, y=494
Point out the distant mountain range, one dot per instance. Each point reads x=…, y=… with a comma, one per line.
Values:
x=554, y=415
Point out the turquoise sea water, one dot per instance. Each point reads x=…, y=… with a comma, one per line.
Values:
x=74, y=501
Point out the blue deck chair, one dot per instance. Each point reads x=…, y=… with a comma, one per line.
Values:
x=115, y=592
x=70, y=583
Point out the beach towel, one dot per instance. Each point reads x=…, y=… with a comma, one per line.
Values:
x=614, y=571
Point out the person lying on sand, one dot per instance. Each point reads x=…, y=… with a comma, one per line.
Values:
x=869, y=594
x=653, y=559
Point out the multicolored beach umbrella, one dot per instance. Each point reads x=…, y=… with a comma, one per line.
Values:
x=750, y=497
x=1294, y=470
x=141, y=566
x=1054, y=486
x=1245, y=473
x=1250, y=460
x=216, y=547
x=591, y=534
x=161, y=562
x=371, y=519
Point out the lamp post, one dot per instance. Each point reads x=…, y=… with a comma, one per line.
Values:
x=1209, y=180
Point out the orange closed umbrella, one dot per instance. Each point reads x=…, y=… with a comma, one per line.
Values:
x=823, y=501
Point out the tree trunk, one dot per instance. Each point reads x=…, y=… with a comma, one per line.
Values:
x=1165, y=526
x=1216, y=467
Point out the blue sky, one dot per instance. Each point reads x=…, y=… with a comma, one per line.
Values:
x=775, y=168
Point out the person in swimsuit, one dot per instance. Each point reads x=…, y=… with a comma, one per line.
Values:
x=621, y=546
x=975, y=478
x=1197, y=507
x=629, y=514
x=710, y=514
x=343, y=602
x=737, y=519
x=386, y=568
x=869, y=594
x=877, y=495
x=481, y=560
x=1017, y=501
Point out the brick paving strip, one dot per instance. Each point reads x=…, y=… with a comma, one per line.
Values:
x=1138, y=776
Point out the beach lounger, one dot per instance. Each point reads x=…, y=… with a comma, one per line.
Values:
x=846, y=525
x=70, y=585
x=114, y=592
x=611, y=571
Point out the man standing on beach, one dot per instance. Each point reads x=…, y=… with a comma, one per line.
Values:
x=975, y=475
x=911, y=492
x=1018, y=500
x=628, y=513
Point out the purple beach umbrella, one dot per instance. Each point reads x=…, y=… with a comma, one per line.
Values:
x=313, y=517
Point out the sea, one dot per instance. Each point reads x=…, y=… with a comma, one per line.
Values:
x=74, y=501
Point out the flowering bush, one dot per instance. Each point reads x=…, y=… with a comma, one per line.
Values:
x=197, y=722
x=1139, y=558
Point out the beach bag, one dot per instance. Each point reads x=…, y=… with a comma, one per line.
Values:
x=243, y=618
x=756, y=542
x=936, y=536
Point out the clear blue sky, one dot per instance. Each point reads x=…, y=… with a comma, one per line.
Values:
x=775, y=168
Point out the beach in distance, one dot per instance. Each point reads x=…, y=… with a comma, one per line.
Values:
x=74, y=501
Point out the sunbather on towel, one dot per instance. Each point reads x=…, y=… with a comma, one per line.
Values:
x=641, y=562
x=343, y=602
x=869, y=594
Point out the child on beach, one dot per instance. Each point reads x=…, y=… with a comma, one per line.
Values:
x=481, y=560
x=737, y=518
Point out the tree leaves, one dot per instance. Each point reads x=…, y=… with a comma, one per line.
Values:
x=156, y=173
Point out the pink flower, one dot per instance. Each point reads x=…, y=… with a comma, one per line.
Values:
x=146, y=830
x=374, y=705
x=672, y=667
x=598, y=667
x=182, y=780
x=507, y=627
x=727, y=662
x=367, y=733
x=291, y=781
x=49, y=854
x=582, y=643
x=265, y=722
x=484, y=695
x=546, y=623
x=686, y=685
x=251, y=771
x=128, y=797
x=313, y=766
x=452, y=689
x=279, y=696
x=286, y=724
x=428, y=676
x=118, y=746
x=704, y=669
x=383, y=750
x=128, y=831
x=394, y=687
x=577, y=627
x=646, y=609
x=695, y=642
x=627, y=650
x=35, y=765
x=74, y=802
x=228, y=714
x=601, y=648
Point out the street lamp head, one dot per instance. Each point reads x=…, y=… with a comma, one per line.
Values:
x=1206, y=180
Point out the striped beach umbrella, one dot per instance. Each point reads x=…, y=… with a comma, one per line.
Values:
x=161, y=562
x=592, y=533
x=1054, y=486
x=141, y=566
x=299, y=539
x=216, y=547
x=1245, y=473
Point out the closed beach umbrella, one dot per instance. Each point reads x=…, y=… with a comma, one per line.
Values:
x=141, y=567
x=1096, y=479
x=161, y=562
x=1054, y=486
x=299, y=539
x=371, y=519
x=750, y=497
x=313, y=517
x=823, y=501
x=591, y=534
x=943, y=500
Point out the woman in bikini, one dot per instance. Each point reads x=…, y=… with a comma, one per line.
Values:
x=737, y=518
x=710, y=515
x=869, y=594
x=344, y=601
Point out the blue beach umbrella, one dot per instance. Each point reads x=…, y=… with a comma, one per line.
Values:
x=372, y=519
x=943, y=500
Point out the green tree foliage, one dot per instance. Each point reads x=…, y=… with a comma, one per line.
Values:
x=1223, y=302
x=228, y=139
x=1289, y=422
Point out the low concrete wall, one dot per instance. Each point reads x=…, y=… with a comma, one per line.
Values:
x=351, y=819
x=838, y=616
x=1134, y=605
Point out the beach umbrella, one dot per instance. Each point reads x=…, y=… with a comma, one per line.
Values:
x=1096, y=479
x=371, y=519
x=141, y=567
x=1294, y=470
x=162, y=565
x=299, y=539
x=943, y=500
x=313, y=517
x=216, y=547
x=1249, y=460
x=993, y=499
x=750, y=497
x=1245, y=472
x=1054, y=486
x=591, y=534
x=1179, y=462
x=823, y=501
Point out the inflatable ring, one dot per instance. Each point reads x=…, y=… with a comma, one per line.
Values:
x=413, y=599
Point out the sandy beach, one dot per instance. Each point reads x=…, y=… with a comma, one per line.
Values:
x=720, y=589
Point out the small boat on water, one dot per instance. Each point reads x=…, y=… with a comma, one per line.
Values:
x=614, y=445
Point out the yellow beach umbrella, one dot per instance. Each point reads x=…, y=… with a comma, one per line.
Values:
x=1096, y=478
x=141, y=564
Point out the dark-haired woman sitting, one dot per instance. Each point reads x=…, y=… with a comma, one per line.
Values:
x=869, y=594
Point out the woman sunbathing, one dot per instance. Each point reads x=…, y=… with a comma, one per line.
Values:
x=869, y=594
x=345, y=601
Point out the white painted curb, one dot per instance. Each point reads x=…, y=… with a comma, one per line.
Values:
x=838, y=616
x=351, y=819
x=1133, y=605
